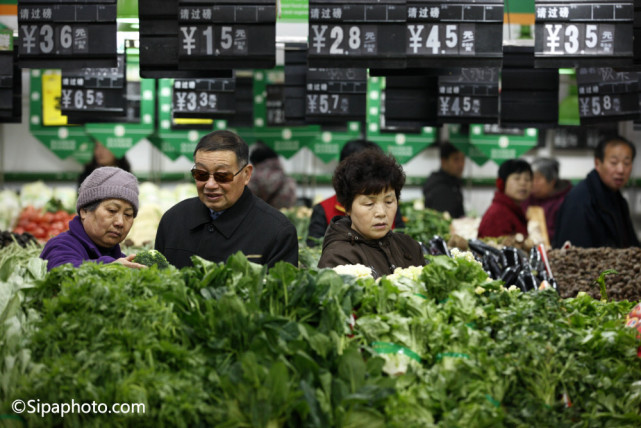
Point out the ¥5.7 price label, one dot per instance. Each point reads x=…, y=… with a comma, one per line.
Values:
x=440, y=39
x=327, y=104
x=211, y=40
x=576, y=39
x=356, y=40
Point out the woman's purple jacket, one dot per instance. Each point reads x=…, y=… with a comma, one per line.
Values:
x=74, y=246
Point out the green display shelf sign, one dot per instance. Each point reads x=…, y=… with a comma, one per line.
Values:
x=461, y=140
x=120, y=137
x=46, y=123
x=403, y=146
x=501, y=144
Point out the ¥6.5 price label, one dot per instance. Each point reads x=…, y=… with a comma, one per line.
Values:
x=327, y=104
x=576, y=39
x=82, y=99
x=440, y=39
x=356, y=40
x=53, y=39
x=210, y=40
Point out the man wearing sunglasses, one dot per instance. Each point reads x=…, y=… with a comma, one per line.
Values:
x=225, y=217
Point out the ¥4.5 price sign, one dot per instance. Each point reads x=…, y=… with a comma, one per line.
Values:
x=225, y=34
x=469, y=95
x=67, y=34
x=607, y=95
x=574, y=33
x=470, y=31
x=356, y=33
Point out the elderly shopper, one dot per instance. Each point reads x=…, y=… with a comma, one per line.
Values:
x=107, y=205
x=368, y=184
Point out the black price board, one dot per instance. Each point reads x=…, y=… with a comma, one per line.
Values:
x=469, y=95
x=243, y=117
x=275, y=104
x=583, y=33
x=10, y=87
x=67, y=34
x=466, y=33
x=223, y=34
x=357, y=33
x=158, y=20
x=335, y=94
x=295, y=79
x=607, y=95
x=409, y=103
x=203, y=98
x=89, y=94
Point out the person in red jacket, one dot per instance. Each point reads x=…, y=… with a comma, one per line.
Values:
x=505, y=215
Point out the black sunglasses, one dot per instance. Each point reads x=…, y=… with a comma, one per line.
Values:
x=220, y=177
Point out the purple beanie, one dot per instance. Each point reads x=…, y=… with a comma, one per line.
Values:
x=108, y=182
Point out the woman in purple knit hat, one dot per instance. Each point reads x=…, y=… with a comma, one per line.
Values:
x=107, y=205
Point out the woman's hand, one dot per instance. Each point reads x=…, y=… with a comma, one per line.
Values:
x=127, y=261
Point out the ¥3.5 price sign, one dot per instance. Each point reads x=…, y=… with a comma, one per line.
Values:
x=67, y=34
x=607, y=95
x=203, y=97
x=356, y=33
x=454, y=32
x=469, y=95
x=226, y=34
x=580, y=33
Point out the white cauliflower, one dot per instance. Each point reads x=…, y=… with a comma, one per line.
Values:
x=357, y=270
x=467, y=255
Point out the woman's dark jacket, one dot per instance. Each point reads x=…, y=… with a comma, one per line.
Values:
x=592, y=215
x=345, y=246
x=250, y=226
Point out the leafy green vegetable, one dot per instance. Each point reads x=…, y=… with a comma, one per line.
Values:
x=151, y=258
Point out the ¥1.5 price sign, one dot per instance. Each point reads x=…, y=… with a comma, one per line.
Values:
x=469, y=95
x=356, y=33
x=455, y=32
x=575, y=33
x=67, y=34
x=226, y=34
x=607, y=95
x=203, y=97
x=335, y=94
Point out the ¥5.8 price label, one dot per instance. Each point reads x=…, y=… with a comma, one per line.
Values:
x=440, y=39
x=576, y=39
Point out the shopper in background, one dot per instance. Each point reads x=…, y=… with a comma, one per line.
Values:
x=548, y=191
x=505, y=217
x=368, y=184
x=325, y=211
x=226, y=217
x=107, y=205
x=595, y=213
x=442, y=190
x=269, y=181
x=102, y=156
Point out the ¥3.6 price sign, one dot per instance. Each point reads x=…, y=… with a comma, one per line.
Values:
x=454, y=32
x=607, y=95
x=581, y=33
x=469, y=95
x=67, y=34
x=203, y=97
x=335, y=94
x=226, y=34
x=356, y=33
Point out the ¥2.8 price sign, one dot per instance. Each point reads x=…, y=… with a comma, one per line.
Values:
x=583, y=33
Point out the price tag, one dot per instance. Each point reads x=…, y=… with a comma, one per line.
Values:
x=581, y=33
x=469, y=95
x=67, y=34
x=607, y=95
x=203, y=97
x=409, y=103
x=452, y=33
x=89, y=93
x=357, y=33
x=335, y=94
x=224, y=34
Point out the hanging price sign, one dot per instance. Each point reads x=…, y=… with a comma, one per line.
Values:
x=583, y=33
x=607, y=95
x=335, y=94
x=469, y=95
x=203, y=97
